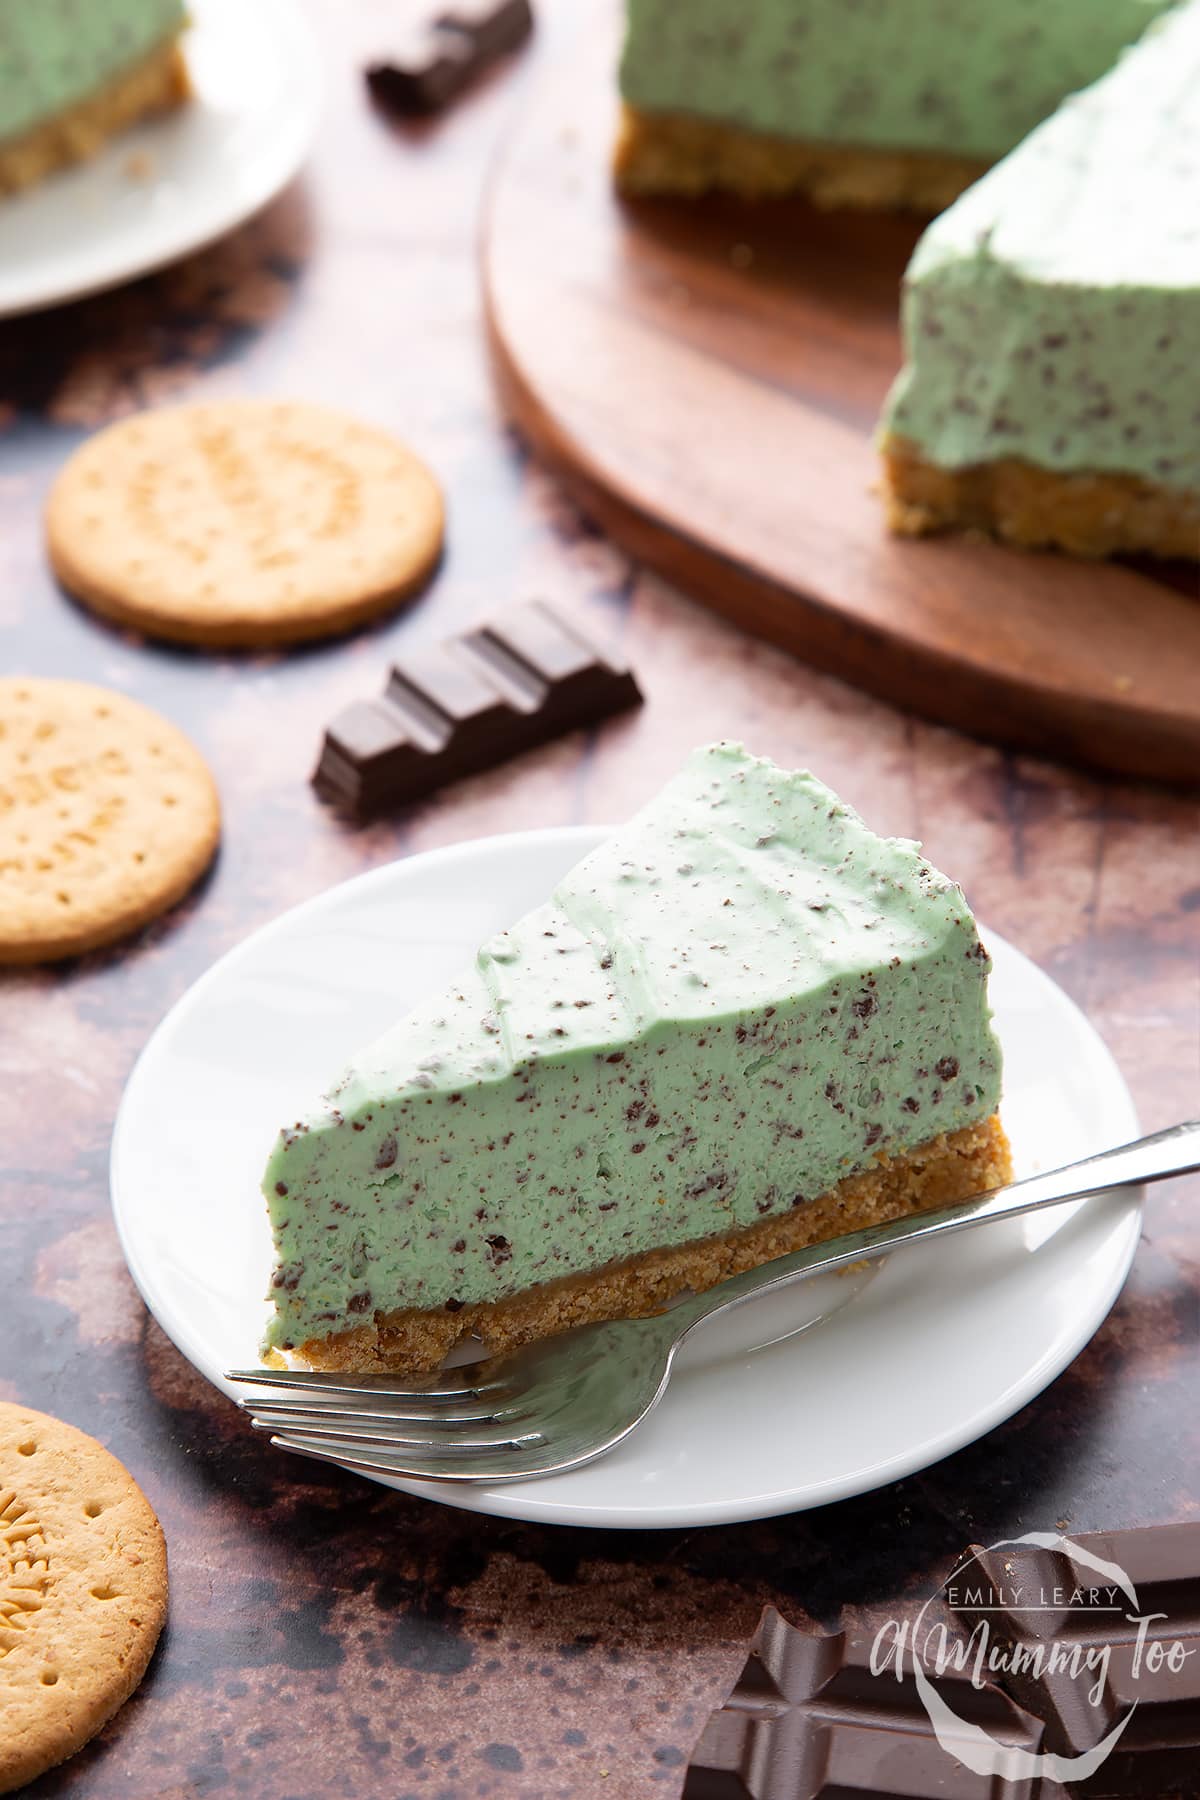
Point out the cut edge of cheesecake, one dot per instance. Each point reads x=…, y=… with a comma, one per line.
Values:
x=682, y=154
x=156, y=83
x=1094, y=513
x=948, y=1168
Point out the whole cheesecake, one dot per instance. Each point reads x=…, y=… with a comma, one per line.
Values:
x=854, y=102
x=73, y=74
x=743, y=1024
x=1051, y=387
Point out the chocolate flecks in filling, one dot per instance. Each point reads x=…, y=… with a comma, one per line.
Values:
x=947, y=1068
x=1086, y=299
x=386, y=1154
x=699, y=1114
x=873, y=1135
x=281, y=1187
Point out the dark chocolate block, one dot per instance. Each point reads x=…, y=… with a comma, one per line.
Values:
x=458, y=708
x=1033, y=1599
x=495, y=27
x=807, y=1719
x=430, y=68
x=442, y=57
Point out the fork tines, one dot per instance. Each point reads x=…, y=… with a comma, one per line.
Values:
x=381, y=1425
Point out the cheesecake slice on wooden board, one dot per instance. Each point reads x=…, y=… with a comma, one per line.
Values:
x=876, y=103
x=1051, y=387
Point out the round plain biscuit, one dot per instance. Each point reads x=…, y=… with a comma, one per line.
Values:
x=83, y=1590
x=243, y=522
x=108, y=815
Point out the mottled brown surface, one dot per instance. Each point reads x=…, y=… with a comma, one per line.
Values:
x=327, y=1638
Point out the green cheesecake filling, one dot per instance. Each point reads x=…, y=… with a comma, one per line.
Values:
x=962, y=77
x=1053, y=312
x=54, y=53
x=737, y=1000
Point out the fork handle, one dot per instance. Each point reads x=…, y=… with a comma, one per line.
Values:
x=1175, y=1151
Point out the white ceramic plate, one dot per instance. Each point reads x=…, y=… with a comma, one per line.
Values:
x=174, y=184
x=906, y=1363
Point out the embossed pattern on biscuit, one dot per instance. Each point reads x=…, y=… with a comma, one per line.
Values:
x=83, y=1590
x=108, y=815
x=24, y=1568
x=243, y=522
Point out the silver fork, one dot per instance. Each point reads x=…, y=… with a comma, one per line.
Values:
x=567, y=1400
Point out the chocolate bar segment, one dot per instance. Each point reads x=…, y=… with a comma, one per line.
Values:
x=460, y=707
x=429, y=68
x=809, y=1720
x=1072, y=1652
x=443, y=56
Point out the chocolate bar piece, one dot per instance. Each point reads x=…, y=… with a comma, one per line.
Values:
x=428, y=70
x=458, y=708
x=1072, y=1652
x=808, y=1718
x=443, y=57
x=1059, y=1646
x=495, y=27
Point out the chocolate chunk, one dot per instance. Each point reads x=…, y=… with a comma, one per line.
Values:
x=493, y=29
x=808, y=1718
x=442, y=57
x=1072, y=1650
x=430, y=68
x=457, y=708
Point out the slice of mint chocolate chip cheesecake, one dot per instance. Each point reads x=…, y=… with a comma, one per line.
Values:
x=870, y=103
x=1051, y=387
x=72, y=76
x=743, y=1024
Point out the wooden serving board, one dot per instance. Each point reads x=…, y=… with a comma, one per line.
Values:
x=706, y=376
